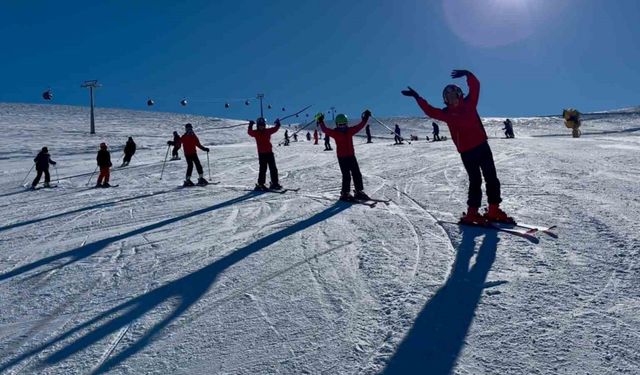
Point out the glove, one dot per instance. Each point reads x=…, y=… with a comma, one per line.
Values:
x=206, y=149
x=366, y=114
x=320, y=117
x=459, y=73
x=277, y=122
x=251, y=123
x=410, y=92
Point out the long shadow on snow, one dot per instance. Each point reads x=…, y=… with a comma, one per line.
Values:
x=88, y=208
x=433, y=344
x=94, y=247
x=188, y=290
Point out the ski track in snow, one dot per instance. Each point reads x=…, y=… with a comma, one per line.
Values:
x=148, y=277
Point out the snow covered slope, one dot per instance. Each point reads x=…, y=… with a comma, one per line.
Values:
x=151, y=278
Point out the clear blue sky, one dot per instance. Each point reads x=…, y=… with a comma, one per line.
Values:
x=532, y=56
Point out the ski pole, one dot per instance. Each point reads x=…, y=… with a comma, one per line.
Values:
x=90, y=177
x=165, y=161
x=388, y=128
x=209, y=165
x=28, y=173
x=57, y=177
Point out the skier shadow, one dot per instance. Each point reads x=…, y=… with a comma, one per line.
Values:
x=183, y=293
x=88, y=208
x=435, y=341
x=87, y=250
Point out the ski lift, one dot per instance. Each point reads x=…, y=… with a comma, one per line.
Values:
x=183, y=102
x=150, y=102
x=47, y=95
x=246, y=102
x=307, y=115
x=226, y=105
x=283, y=109
x=269, y=106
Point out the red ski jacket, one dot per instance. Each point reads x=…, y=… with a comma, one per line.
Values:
x=467, y=131
x=189, y=142
x=344, y=140
x=263, y=138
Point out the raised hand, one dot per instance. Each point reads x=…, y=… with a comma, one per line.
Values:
x=459, y=73
x=410, y=92
x=366, y=114
x=277, y=122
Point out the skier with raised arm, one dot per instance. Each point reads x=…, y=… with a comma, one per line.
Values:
x=189, y=143
x=470, y=138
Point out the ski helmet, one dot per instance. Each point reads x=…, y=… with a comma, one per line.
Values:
x=188, y=126
x=261, y=121
x=341, y=119
x=103, y=146
x=45, y=149
x=449, y=89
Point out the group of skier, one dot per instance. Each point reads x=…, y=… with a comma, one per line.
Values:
x=460, y=114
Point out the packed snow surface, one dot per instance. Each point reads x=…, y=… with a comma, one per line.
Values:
x=152, y=278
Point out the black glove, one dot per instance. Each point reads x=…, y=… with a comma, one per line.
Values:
x=206, y=149
x=366, y=114
x=251, y=123
x=459, y=73
x=277, y=122
x=53, y=162
x=410, y=92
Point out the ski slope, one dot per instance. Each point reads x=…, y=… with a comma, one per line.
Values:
x=151, y=278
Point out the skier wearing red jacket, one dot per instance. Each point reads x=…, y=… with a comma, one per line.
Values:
x=343, y=136
x=189, y=143
x=470, y=138
x=265, y=153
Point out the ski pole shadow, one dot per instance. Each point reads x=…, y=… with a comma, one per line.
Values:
x=437, y=337
x=74, y=255
x=183, y=293
x=88, y=208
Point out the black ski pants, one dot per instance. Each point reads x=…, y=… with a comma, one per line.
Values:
x=174, y=152
x=127, y=158
x=191, y=160
x=479, y=162
x=267, y=160
x=349, y=167
x=47, y=177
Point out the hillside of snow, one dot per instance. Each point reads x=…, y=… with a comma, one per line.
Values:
x=152, y=278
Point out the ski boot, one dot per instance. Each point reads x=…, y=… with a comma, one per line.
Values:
x=346, y=197
x=47, y=185
x=260, y=187
x=188, y=183
x=106, y=185
x=202, y=182
x=495, y=214
x=275, y=186
x=361, y=196
x=472, y=217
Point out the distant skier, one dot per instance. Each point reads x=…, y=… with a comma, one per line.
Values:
x=103, y=160
x=295, y=137
x=368, y=131
x=129, y=150
x=343, y=136
x=508, y=129
x=176, y=143
x=189, y=142
x=265, y=153
x=397, y=138
x=436, y=132
x=308, y=137
x=42, y=160
x=315, y=137
x=286, y=137
x=471, y=140
x=327, y=142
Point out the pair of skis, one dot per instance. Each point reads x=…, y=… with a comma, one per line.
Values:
x=526, y=231
x=277, y=191
x=371, y=202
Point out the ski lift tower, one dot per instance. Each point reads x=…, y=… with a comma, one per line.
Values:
x=333, y=113
x=93, y=84
x=260, y=97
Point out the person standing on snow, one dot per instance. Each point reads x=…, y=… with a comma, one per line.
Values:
x=176, y=143
x=343, y=136
x=295, y=137
x=286, y=137
x=397, y=138
x=470, y=138
x=129, y=150
x=103, y=160
x=315, y=137
x=368, y=131
x=508, y=129
x=308, y=137
x=436, y=131
x=42, y=160
x=327, y=142
x=265, y=153
x=189, y=142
